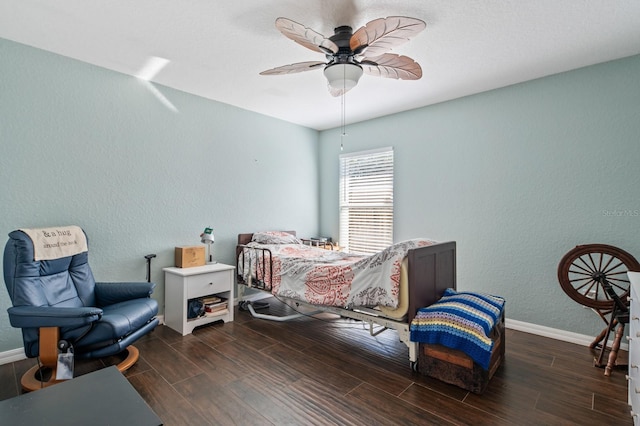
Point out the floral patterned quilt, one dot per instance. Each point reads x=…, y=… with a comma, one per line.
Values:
x=333, y=278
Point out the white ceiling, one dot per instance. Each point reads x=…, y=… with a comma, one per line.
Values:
x=217, y=48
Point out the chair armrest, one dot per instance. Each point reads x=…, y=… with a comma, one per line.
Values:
x=47, y=316
x=110, y=293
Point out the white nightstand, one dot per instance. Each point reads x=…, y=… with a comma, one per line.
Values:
x=182, y=284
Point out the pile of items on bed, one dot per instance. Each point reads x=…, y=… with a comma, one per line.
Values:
x=461, y=339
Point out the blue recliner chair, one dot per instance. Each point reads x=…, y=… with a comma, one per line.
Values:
x=56, y=303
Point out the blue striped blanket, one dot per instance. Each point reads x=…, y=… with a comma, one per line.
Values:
x=461, y=321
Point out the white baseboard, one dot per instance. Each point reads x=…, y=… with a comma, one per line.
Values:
x=539, y=330
x=554, y=333
x=12, y=356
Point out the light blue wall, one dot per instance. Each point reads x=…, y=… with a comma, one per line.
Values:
x=518, y=177
x=83, y=145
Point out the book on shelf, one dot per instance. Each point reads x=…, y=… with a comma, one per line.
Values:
x=211, y=299
x=216, y=311
x=215, y=307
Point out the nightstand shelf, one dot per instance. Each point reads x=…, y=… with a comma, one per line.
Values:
x=184, y=284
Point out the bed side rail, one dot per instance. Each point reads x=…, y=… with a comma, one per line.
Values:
x=254, y=266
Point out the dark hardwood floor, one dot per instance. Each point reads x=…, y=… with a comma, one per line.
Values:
x=331, y=371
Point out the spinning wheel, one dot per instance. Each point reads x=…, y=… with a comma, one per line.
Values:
x=595, y=275
x=582, y=269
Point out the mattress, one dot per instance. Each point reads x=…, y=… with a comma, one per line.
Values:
x=329, y=278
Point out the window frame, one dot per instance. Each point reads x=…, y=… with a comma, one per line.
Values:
x=366, y=217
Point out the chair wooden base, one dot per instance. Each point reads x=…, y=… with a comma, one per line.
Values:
x=132, y=357
x=39, y=377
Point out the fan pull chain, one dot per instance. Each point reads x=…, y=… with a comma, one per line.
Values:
x=343, y=130
x=343, y=107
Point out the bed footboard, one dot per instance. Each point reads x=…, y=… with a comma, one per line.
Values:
x=432, y=269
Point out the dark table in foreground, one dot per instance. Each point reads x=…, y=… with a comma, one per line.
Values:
x=104, y=397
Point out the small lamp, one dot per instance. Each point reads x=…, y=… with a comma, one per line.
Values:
x=207, y=238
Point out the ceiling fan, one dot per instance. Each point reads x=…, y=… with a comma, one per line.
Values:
x=350, y=54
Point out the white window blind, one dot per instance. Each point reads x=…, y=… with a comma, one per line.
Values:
x=366, y=201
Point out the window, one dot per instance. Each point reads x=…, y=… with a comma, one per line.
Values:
x=366, y=201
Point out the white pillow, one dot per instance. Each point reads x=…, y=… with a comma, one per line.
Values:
x=275, y=237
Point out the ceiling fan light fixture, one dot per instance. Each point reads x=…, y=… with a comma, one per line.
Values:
x=343, y=76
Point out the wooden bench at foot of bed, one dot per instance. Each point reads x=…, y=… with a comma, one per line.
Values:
x=457, y=368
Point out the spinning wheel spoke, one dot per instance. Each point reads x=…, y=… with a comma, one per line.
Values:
x=608, y=263
x=579, y=276
x=589, y=270
x=595, y=268
x=619, y=284
x=623, y=273
x=589, y=278
x=607, y=271
x=589, y=283
x=600, y=266
x=588, y=274
x=616, y=279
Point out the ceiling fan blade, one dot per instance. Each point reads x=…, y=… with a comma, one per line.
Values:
x=391, y=65
x=294, y=68
x=380, y=35
x=306, y=36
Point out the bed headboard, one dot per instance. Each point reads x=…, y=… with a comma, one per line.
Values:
x=246, y=239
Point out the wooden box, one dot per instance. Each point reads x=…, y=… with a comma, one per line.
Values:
x=457, y=368
x=189, y=256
